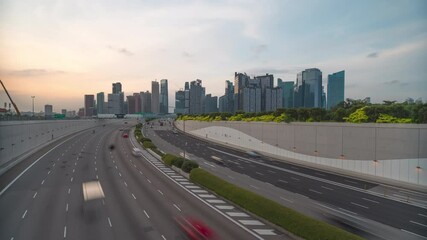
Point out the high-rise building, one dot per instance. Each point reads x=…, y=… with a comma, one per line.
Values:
x=229, y=97
x=180, y=102
x=211, y=104
x=145, y=101
x=240, y=82
x=273, y=99
x=100, y=99
x=288, y=93
x=130, y=104
x=117, y=88
x=164, y=104
x=89, y=105
x=335, y=88
x=308, y=89
x=115, y=104
x=155, y=105
x=137, y=98
x=265, y=82
x=197, y=95
x=251, y=99
x=48, y=111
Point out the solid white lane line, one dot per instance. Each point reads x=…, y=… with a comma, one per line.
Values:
x=254, y=186
x=311, y=190
x=133, y=196
x=109, y=222
x=418, y=223
x=146, y=214
x=413, y=233
x=25, y=213
x=370, y=200
x=42, y=182
x=331, y=189
x=159, y=191
x=286, y=199
x=65, y=231
x=422, y=215
x=230, y=176
x=177, y=207
x=359, y=205
x=35, y=194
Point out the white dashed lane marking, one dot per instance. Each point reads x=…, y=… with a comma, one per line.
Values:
x=251, y=222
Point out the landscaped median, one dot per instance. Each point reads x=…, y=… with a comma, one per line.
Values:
x=288, y=219
x=145, y=142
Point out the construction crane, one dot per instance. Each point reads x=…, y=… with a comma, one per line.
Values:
x=14, y=105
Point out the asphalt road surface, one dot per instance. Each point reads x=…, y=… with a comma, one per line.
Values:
x=347, y=195
x=42, y=198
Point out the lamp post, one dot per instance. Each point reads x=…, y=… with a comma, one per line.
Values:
x=33, y=104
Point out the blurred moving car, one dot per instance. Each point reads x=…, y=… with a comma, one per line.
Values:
x=136, y=152
x=254, y=154
x=125, y=135
x=194, y=229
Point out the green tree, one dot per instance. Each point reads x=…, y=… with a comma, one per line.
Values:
x=359, y=116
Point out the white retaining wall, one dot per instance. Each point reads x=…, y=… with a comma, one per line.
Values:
x=18, y=137
x=400, y=150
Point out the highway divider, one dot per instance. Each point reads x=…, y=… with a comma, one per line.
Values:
x=184, y=164
x=288, y=219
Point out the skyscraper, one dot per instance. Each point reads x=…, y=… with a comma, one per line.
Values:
x=197, y=95
x=164, y=105
x=137, y=102
x=100, y=98
x=308, y=89
x=335, y=88
x=145, y=101
x=131, y=104
x=240, y=82
x=117, y=88
x=89, y=105
x=48, y=111
x=211, y=104
x=155, y=106
x=288, y=93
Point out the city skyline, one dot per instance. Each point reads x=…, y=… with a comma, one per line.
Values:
x=58, y=52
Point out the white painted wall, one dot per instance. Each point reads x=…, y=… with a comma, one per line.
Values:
x=398, y=148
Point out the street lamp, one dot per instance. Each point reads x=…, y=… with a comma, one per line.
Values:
x=33, y=104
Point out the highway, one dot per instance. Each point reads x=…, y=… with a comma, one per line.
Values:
x=42, y=198
x=331, y=192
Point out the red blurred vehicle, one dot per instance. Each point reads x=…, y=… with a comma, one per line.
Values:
x=125, y=135
x=194, y=229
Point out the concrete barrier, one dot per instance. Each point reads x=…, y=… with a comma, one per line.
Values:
x=391, y=151
x=19, y=137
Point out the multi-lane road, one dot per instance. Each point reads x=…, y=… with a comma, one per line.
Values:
x=351, y=198
x=42, y=197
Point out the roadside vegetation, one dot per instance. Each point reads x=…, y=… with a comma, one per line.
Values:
x=184, y=164
x=351, y=111
x=288, y=219
x=145, y=142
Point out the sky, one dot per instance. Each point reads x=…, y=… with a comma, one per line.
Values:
x=60, y=50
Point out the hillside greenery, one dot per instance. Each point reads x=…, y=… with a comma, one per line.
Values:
x=352, y=111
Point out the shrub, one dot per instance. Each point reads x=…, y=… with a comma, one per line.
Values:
x=168, y=159
x=189, y=165
x=148, y=144
x=284, y=217
x=177, y=162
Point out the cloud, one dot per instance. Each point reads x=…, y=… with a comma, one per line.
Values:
x=121, y=50
x=373, y=55
x=396, y=82
x=259, y=49
x=32, y=72
x=187, y=54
